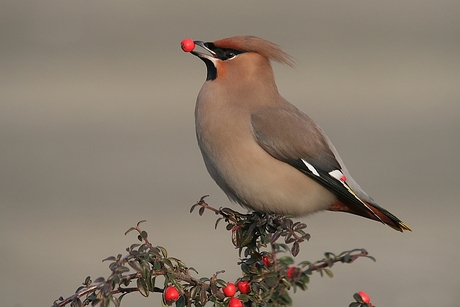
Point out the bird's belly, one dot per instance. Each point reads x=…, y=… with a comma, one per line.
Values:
x=262, y=183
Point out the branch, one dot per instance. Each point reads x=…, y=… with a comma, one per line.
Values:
x=254, y=234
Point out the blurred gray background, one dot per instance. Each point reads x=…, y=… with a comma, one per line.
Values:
x=97, y=133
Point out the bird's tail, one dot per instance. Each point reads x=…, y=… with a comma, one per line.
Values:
x=387, y=218
x=373, y=212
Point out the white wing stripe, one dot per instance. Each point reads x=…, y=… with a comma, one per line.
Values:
x=338, y=175
x=311, y=168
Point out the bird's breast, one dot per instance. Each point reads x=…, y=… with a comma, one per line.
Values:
x=246, y=172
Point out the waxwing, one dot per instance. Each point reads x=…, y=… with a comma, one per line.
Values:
x=262, y=151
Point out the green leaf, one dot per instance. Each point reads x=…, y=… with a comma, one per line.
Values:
x=144, y=234
x=245, y=239
x=176, y=284
x=282, y=246
x=99, y=280
x=135, y=265
x=271, y=281
x=156, y=265
x=286, y=299
x=244, y=297
x=145, y=269
x=221, y=282
x=302, y=285
x=111, y=258
x=76, y=302
x=163, y=251
x=275, y=237
x=203, y=296
x=329, y=273
x=305, y=279
x=372, y=258
x=143, y=288
x=194, y=291
x=217, y=222
x=151, y=282
x=193, y=207
x=181, y=264
x=80, y=288
x=133, y=246
x=95, y=302
x=299, y=226
x=168, y=262
x=358, y=298
x=121, y=270
x=129, y=230
x=295, y=249
x=245, y=268
x=121, y=297
x=286, y=261
x=180, y=302
x=87, y=281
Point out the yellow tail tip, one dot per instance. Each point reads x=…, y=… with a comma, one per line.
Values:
x=400, y=227
x=404, y=226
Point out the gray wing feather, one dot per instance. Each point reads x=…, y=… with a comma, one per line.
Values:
x=293, y=137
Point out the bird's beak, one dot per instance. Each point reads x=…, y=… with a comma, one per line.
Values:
x=212, y=56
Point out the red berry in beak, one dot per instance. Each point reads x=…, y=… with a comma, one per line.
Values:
x=187, y=45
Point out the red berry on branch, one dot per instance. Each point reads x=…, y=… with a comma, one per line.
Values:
x=267, y=261
x=171, y=294
x=235, y=302
x=229, y=290
x=244, y=287
x=365, y=297
x=290, y=272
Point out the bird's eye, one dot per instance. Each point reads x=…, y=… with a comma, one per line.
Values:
x=226, y=54
x=229, y=54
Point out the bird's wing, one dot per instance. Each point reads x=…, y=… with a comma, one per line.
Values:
x=291, y=136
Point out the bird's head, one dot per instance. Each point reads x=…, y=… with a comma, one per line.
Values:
x=239, y=54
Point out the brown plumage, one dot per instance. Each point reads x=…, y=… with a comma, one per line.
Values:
x=258, y=45
x=261, y=150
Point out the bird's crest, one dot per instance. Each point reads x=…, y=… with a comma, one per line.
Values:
x=256, y=44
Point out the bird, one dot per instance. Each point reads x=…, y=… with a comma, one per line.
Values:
x=261, y=150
